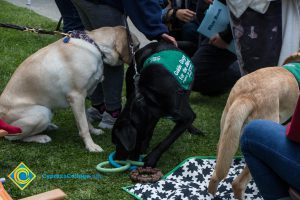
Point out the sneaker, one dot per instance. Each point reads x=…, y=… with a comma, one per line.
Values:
x=93, y=114
x=108, y=120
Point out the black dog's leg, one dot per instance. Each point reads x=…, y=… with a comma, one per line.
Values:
x=144, y=122
x=129, y=81
x=195, y=131
x=152, y=158
x=148, y=134
x=181, y=125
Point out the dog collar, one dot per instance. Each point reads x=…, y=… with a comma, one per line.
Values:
x=81, y=35
x=177, y=63
x=294, y=68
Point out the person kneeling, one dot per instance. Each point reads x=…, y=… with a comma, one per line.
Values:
x=271, y=152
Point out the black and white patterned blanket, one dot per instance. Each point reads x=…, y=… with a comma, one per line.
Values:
x=189, y=181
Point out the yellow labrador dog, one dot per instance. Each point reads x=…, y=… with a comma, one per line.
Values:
x=269, y=93
x=61, y=75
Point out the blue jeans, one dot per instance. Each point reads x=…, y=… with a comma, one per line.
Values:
x=273, y=160
x=94, y=16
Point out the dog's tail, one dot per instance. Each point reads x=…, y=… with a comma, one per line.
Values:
x=234, y=120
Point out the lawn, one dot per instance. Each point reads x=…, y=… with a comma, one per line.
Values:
x=66, y=153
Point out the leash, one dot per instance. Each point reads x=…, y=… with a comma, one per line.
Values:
x=71, y=34
x=32, y=30
x=136, y=76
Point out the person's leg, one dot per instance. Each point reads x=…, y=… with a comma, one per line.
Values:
x=70, y=15
x=273, y=160
x=82, y=13
x=99, y=15
x=189, y=32
x=214, y=73
x=110, y=91
x=189, y=38
x=258, y=37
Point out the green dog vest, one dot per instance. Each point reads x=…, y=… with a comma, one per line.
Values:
x=294, y=68
x=177, y=63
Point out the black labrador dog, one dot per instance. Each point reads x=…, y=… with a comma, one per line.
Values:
x=159, y=93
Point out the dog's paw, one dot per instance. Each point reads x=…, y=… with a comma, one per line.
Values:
x=149, y=162
x=94, y=148
x=96, y=131
x=52, y=127
x=37, y=138
x=238, y=190
x=195, y=131
x=212, y=187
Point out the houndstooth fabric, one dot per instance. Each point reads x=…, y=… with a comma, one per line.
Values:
x=190, y=181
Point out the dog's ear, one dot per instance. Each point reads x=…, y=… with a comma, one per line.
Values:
x=105, y=39
x=111, y=57
x=293, y=58
x=145, y=52
x=125, y=133
x=121, y=44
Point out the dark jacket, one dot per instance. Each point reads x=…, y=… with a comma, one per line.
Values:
x=145, y=15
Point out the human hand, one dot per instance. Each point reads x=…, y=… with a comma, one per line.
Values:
x=208, y=1
x=169, y=38
x=218, y=42
x=3, y=133
x=185, y=15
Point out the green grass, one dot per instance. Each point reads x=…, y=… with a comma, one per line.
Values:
x=66, y=153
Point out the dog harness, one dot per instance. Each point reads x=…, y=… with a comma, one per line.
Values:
x=83, y=36
x=177, y=63
x=294, y=68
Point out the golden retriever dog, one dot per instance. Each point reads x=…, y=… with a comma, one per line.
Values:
x=59, y=75
x=269, y=93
